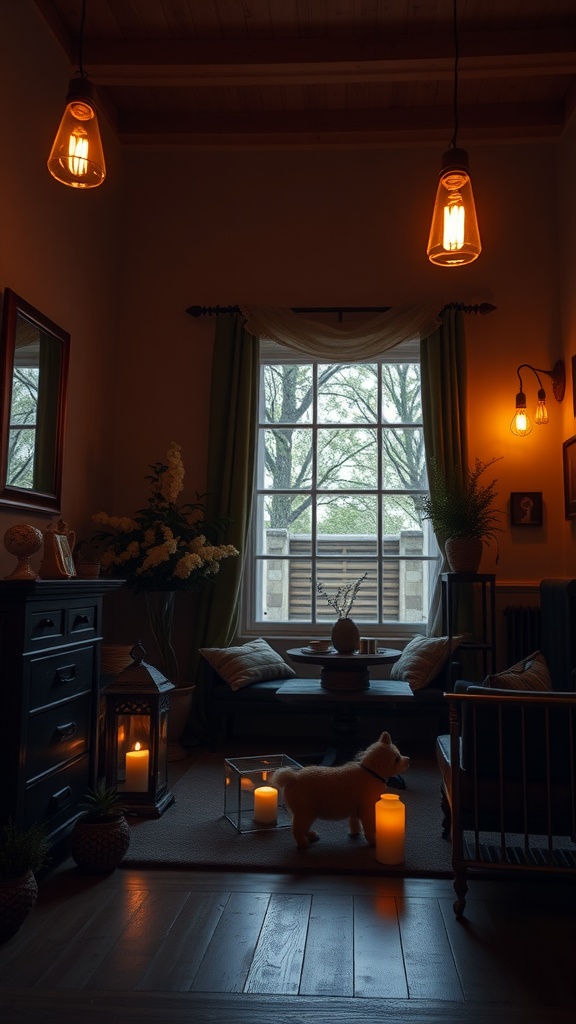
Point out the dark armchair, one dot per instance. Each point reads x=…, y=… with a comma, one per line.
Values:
x=508, y=768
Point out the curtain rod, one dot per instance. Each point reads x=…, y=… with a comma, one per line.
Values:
x=482, y=309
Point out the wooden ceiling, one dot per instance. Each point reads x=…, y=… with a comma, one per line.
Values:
x=324, y=73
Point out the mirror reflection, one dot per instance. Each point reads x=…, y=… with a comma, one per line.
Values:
x=34, y=367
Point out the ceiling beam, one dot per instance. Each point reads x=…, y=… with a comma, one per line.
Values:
x=189, y=62
x=505, y=121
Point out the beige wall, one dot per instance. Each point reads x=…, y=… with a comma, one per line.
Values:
x=117, y=267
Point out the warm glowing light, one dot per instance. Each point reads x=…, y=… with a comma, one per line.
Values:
x=77, y=157
x=454, y=220
x=541, y=414
x=521, y=423
x=454, y=237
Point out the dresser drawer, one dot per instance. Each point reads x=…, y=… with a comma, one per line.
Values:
x=47, y=625
x=54, y=677
x=57, y=735
x=82, y=622
x=54, y=799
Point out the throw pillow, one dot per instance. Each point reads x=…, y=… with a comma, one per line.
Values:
x=251, y=663
x=423, y=658
x=530, y=674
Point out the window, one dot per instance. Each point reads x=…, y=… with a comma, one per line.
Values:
x=340, y=475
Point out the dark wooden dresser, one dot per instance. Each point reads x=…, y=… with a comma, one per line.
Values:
x=50, y=634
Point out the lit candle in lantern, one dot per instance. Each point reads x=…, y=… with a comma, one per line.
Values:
x=137, y=762
x=390, y=829
x=265, y=804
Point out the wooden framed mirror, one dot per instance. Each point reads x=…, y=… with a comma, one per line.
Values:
x=34, y=355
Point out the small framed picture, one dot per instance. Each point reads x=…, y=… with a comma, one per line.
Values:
x=64, y=555
x=526, y=508
x=569, y=463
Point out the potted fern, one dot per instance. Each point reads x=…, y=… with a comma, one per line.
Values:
x=101, y=835
x=460, y=508
x=23, y=852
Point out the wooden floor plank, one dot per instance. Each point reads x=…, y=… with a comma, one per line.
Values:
x=176, y=962
x=66, y=1007
x=277, y=963
x=378, y=962
x=477, y=950
x=430, y=969
x=225, y=966
x=328, y=967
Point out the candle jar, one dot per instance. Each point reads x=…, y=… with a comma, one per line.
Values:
x=245, y=805
x=390, y=829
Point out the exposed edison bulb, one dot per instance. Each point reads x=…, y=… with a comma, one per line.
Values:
x=521, y=423
x=454, y=236
x=541, y=414
x=77, y=157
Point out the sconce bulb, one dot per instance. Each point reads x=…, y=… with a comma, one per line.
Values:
x=521, y=423
x=77, y=157
x=454, y=236
x=541, y=414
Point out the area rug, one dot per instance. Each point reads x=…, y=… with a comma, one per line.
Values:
x=193, y=833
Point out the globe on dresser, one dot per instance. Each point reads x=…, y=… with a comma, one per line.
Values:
x=23, y=541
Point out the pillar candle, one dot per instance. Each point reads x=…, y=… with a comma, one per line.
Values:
x=265, y=804
x=390, y=829
x=137, y=762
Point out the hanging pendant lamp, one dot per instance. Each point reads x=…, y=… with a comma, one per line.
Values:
x=77, y=157
x=454, y=236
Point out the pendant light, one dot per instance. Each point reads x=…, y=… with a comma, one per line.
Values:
x=77, y=158
x=454, y=237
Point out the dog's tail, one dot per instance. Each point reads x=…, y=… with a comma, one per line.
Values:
x=281, y=776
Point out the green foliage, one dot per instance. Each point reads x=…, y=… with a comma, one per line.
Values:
x=22, y=850
x=461, y=506
x=101, y=804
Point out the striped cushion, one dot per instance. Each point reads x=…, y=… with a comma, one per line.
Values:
x=423, y=658
x=530, y=674
x=253, y=662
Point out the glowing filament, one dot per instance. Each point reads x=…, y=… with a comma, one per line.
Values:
x=454, y=224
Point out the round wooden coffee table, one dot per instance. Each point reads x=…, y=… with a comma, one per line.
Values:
x=344, y=672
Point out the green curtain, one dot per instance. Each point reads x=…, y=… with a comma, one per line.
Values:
x=443, y=375
x=231, y=455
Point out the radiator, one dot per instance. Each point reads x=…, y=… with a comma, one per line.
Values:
x=522, y=631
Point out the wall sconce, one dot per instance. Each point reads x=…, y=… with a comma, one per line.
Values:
x=77, y=157
x=454, y=236
x=521, y=423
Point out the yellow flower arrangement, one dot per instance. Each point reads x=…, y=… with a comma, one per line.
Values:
x=165, y=546
x=163, y=549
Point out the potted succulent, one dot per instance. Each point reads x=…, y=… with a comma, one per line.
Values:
x=461, y=511
x=23, y=852
x=101, y=835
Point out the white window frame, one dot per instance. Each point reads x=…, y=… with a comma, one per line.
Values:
x=407, y=352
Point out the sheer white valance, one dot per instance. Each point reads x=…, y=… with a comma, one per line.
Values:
x=358, y=344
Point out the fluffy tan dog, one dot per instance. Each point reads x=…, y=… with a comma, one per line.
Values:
x=345, y=791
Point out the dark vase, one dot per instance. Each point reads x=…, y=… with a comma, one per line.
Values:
x=345, y=636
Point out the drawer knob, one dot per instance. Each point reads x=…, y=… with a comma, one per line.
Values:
x=46, y=623
x=66, y=673
x=65, y=731
x=81, y=619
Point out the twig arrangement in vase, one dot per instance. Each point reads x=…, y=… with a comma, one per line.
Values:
x=345, y=633
x=165, y=548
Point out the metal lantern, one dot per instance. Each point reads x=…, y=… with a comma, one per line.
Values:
x=136, y=736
